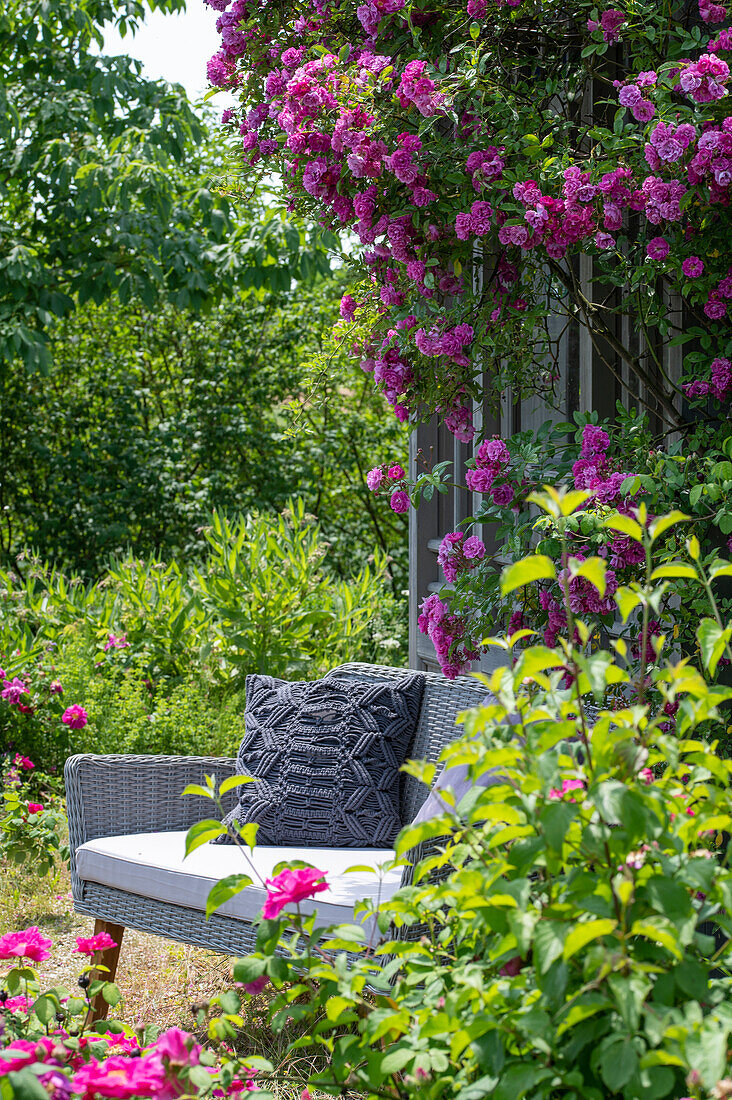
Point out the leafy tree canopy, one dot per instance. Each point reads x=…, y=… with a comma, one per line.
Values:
x=105, y=185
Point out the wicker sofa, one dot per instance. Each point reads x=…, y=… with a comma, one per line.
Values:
x=128, y=820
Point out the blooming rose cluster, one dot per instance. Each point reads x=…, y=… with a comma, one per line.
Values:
x=68, y=1064
x=557, y=794
x=458, y=554
x=324, y=117
x=491, y=460
x=720, y=383
x=449, y=634
x=610, y=23
x=391, y=479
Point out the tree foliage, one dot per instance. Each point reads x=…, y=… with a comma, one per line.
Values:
x=105, y=182
x=150, y=419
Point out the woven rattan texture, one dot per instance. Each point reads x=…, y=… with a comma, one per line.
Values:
x=122, y=795
x=117, y=795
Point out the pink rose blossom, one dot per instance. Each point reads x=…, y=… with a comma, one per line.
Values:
x=28, y=944
x=374, y=478
x=473, y=547
x=256, y=987
x=12, y=690
x=399, y=501
x=120, y=1078
x=75, y=717
x=24, y=1052
x=395, y=472
x=290, y=887
x=35, y=808
x=657, y=248
x=102, y=941
x=692, y=267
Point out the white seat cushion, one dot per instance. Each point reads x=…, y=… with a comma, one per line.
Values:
x=153, y=866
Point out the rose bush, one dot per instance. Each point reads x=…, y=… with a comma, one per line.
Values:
x=50, y=1048
x=474, y=177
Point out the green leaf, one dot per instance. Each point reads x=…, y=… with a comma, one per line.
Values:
x=627, y=600
x=584, y=933
x=657, y=934
x=202, y=832
x=548, y=943
x=625, y=525
x=46, y=1008
x=674, y=569
x=534, y=568
x=111, y=994
x=225, y=889
x=593, y=569
x=235, y=781
x=618, y=1063
x=196, y=788
x=26, y=1086
x=664, y=523
x=720, y=569
x=248, y=970
x=395, y=1060
x=713, y=641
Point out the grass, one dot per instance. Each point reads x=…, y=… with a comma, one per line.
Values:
x=159, y=979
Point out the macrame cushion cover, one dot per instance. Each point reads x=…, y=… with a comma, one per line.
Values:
x=326, y=757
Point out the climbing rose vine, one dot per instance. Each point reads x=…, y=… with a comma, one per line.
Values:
x=473, y=177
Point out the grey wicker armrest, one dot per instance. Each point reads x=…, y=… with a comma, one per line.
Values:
x=118, y=795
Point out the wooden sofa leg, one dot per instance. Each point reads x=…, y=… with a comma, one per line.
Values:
x=108, y=958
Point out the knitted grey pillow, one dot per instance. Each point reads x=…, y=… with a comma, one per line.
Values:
x=326, y=757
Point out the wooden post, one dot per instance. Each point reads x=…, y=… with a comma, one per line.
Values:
x=108, y=958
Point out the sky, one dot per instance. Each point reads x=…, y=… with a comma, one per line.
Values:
x=173, y=47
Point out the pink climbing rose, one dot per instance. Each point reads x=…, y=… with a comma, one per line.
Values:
x=374, y=478
x=75, y=717
x=35, y=808
x=658, y=248
x=399, y=501
x=120, y=1078
x=290, y=887
x=28, y=944
x=692, y=267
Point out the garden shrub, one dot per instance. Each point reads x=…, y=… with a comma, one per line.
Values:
x=126, y=449
x=619, y=469
x=157, y=654
x=571, y=921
